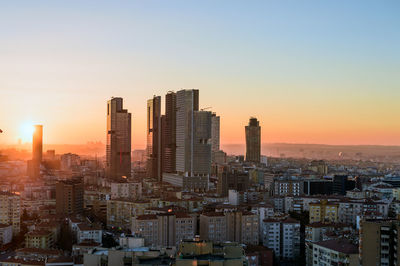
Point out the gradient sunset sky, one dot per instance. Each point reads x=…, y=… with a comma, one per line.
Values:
x=310, y=71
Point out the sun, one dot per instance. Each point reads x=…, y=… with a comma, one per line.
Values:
x=26, y=131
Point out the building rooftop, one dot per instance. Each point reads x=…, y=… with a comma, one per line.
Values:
x=5, y=225
x=39, y=233
x=39, y=251
x=88, y=227
x=342, y=246
x=335, y=225
x=147, y=217
x=213, y=214
x=13, y=261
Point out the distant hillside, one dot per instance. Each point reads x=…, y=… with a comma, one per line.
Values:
x=321, y=151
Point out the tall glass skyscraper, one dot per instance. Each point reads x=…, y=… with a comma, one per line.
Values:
x=118, y=149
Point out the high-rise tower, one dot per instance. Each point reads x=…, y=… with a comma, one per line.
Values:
x=153, y=149
x=201, y=147
x=118, y=150
x=169, y=133
x=215, y=132
x=253, y=141
x=37, y=152
x=193, y=144
x=193, y=134
x=187, y=102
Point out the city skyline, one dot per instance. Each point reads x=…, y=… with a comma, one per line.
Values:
x=309, y=77
x=199, y=133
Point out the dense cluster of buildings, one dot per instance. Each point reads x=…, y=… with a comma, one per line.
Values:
x=184, y=201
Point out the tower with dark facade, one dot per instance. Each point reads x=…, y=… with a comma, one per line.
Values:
x=253, y=141
x=169, y=133
x=153, y=148
x=37, y=152
x=118, y=149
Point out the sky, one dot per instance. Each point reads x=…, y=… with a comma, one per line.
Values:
x=311, y=71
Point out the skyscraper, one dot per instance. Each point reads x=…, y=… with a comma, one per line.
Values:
x=187, y=102
x=153, y=149
x=215, y=132
x=253, y=141
x=201, y=147
x=193, y=143
x=37, y=152
x=37, y=144
x=169, y=133
x=118, y=150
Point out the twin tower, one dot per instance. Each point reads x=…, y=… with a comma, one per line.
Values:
x=180, y=142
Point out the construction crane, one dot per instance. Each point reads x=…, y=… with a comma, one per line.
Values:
x=206, y=108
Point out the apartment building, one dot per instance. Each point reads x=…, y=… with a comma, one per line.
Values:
x=282, y=234
x=39, y=239
x=324, y=212
x=121, y=211
x=288, y=186
x=10, y=210
x=335, y=252
x=378, y=243
x=213, y=227
x=5, y=234
x=164, y=229
x=350, y=209
x=126, y=190
x=89, y=233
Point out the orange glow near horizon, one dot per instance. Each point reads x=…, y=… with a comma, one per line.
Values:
x=276, y=127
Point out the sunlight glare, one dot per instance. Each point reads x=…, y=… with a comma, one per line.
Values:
x=26, y=131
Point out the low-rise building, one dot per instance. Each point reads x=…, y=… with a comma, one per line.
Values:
x=259, y=255
x=196, y=252
x=121, y=211
x=324, y=212
x=37, y=253
x=89, y=233
x=39, y=239
x=166, y=229
x=126, y=190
